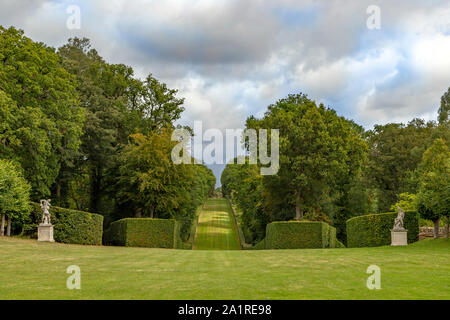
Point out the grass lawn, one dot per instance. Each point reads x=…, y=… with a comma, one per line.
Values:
x=216, y=229
x=32, y=270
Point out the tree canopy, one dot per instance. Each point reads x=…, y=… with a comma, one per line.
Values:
x=14, y=192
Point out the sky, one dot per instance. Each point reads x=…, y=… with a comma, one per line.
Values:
x=230, y=59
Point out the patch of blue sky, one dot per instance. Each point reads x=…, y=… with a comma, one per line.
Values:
x=162, y=41
x=296, y=17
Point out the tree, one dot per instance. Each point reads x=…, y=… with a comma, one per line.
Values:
x=434, y=192
x=103, y=92
x=395, y=151
x=243, y=184
x=316, y=147
x=117, y=105
x=444, y=110
x=41, y=117
x=149, y=180
x=407, y=201
x=153, y=105
x=14, y=195
x=151, y=184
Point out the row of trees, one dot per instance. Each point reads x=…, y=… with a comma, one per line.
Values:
x=331, y=169
x=90, y=135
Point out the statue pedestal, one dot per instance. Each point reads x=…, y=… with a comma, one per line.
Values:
x=399, y=237
x=45, y=232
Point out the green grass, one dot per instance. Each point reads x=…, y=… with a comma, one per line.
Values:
x=216, y=229
x=32, y=270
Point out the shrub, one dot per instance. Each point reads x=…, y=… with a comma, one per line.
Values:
x=375, y=229
x=260, y=245
x=144, y=232
x=297, y=235
x=70, y=226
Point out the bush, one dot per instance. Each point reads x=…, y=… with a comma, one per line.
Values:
x=70, y=226
x=375, y=229
x=144, y=232
x=298, y=235
x=260, y=245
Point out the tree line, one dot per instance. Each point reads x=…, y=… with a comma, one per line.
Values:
x=89, y=135
x=332, y=169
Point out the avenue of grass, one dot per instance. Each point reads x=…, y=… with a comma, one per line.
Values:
x=216, y=229
x=32, y=270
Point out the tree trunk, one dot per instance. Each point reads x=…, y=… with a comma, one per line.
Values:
x=2, y=227
x=96, y=181
x=152, y=210
x=8, y=228
x=58, y=192
x=298, y=210
x=436, y=228
x=138, y=213
x=448, y=228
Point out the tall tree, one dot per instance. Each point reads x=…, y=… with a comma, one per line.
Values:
x=243, y=184
x=316, y=147
x=148, y=177
x=444, y=110
x=14, y=195
x=434, y=192
x=117, y=105
x=103, y=92
x=39, y=106
x=395, y=152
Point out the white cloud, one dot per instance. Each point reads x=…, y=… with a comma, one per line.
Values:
x=231, y=59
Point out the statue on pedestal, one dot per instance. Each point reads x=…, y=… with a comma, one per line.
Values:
x=45, y=228
x=399, y=235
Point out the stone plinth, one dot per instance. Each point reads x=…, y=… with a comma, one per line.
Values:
x=45, y=232
x=399, y=237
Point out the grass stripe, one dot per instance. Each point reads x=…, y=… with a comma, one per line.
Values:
x=216, y=229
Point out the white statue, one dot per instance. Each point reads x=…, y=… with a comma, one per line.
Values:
x=45, y=206
x=398, y=224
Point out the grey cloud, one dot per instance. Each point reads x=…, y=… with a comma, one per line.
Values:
x=245, y=48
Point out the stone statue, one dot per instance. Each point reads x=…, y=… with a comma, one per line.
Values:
x=45, y=206
x=398, y=224
x=399, y=235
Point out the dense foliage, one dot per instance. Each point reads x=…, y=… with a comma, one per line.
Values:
x=151, y=184
x=298, y=235
x=41, y=117
x=70, y=226
x=332, y=170
x=374, y=229
x=433, y=199
x=144, y=232
x=14, y=195
x=91, y=136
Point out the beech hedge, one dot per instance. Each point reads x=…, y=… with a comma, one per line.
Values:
x=298, y=235
x=374, y=230
x=144, y=232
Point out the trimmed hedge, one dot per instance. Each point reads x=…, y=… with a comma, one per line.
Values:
x=69, y=226
x=299, y=235
x=144, y=232
x=240, y=234
x=375, y=229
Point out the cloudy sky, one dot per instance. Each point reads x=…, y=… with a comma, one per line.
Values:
x=231, y=59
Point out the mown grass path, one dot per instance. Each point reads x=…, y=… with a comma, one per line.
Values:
x=216, y=229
